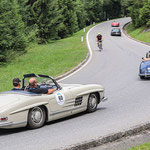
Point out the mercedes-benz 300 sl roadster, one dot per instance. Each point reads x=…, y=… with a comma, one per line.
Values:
x=23, y=108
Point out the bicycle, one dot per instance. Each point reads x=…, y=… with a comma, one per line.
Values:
x=100, y=45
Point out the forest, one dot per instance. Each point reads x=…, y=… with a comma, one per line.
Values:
x=42, y=21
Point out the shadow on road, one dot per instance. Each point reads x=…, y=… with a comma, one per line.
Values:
x=4, y=132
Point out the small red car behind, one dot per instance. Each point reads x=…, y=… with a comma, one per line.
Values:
x=115, y=24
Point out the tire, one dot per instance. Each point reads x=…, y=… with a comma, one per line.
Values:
x=92, y=102
x=99, y=47
x=36, y=117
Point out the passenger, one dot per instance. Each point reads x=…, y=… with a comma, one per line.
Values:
x=17, y=84
x=147, y=57
x=148, y=54
x=33, y=87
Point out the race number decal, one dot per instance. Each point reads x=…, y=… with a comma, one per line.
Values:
x=60, y=98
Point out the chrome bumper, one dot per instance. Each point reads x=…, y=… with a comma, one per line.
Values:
x=104, y=99
x=146, y=74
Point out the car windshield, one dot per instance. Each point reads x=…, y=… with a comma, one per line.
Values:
x=40, y=81
x=115, y=30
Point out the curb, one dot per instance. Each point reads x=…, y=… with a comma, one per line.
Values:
x=109, y=138
x=125, y=32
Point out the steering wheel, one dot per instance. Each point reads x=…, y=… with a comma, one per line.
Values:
x=26, y=88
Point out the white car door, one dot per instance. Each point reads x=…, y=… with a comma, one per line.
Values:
x=62, y=103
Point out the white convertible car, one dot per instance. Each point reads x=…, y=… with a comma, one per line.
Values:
x=22, y=108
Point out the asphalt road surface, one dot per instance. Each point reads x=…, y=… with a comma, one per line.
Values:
x=116, y=68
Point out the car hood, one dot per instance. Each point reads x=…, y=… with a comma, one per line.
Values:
x=72, y=86
x=69, y=85
x=145, y=64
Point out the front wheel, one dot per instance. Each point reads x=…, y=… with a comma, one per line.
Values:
x=36, y=117
x=92, y=103
x=100, y=46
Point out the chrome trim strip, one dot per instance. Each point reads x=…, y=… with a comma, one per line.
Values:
x=12, y=123
x=69, y=105
x=76, y=107
x=6, y=124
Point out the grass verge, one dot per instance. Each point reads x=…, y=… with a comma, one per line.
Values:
x=139, y=33
x=51, y=59
x=145, y=146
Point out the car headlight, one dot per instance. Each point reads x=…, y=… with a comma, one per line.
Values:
x=148, y=69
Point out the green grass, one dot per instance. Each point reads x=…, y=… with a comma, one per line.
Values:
x=51, y=59
x=145, y=146
x=138, y=33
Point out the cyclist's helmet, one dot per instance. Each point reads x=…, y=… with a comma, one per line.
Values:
x=99, y=33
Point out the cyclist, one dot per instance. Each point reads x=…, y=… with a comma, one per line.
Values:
x=99, y=39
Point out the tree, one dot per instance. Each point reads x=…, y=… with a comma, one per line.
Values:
x=124, y=7
x=88, y=5
x=46, y=17
x=12, y=33
x=135, y=6
x=112, y=8
x=98, y=10
x=144, y=15
x=70, y=20
x=81, y=14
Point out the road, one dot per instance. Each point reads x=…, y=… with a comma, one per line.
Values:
x=116, y=68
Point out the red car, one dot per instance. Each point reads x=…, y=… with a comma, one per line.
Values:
x=115, y=24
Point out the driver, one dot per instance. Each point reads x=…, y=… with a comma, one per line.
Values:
x=147, y=57
x=33, y=87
